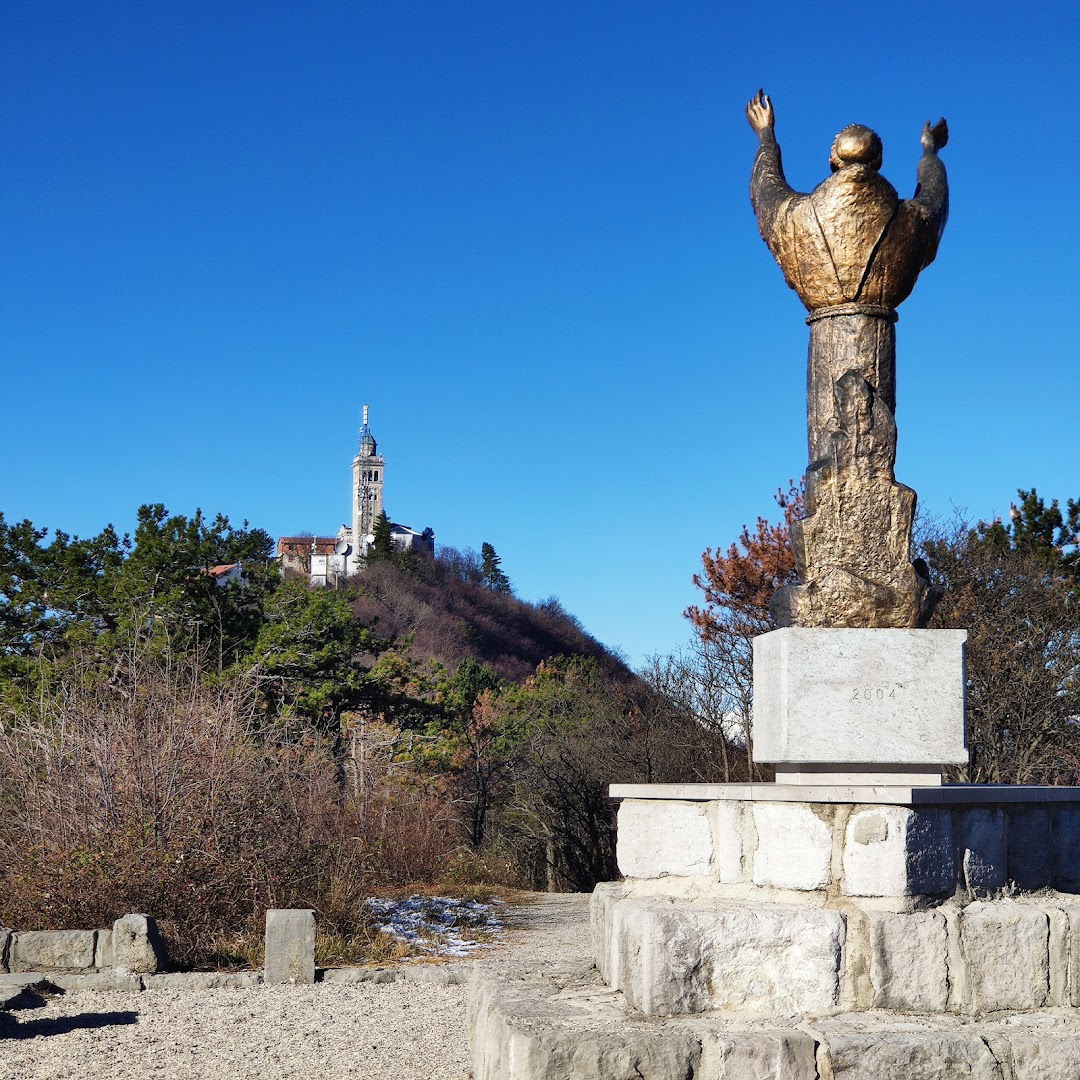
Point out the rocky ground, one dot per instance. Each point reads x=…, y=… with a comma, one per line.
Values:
x=402, y=1030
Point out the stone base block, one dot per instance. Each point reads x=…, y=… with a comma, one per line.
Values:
x=537, y=1026
x=682, y=957
x=674, y=955
x=892, y=698
x=910, y=854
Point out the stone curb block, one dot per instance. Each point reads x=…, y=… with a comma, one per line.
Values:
x=431, y=974
x=536, y=1026
x=202, y=980
x=52, y=950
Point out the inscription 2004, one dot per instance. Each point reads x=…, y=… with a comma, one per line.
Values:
x=873, y=693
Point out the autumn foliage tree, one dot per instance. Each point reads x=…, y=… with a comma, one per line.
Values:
x=737, y=585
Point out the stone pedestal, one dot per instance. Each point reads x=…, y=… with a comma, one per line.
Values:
x=841, y=706
x=798, y=931
x=906, y=927
x=780, y=899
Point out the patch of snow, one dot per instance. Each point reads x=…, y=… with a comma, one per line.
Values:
x=435, y=924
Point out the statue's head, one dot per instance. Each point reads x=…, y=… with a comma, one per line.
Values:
x=856, y=145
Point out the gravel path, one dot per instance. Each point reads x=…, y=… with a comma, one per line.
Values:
x=391, y=1031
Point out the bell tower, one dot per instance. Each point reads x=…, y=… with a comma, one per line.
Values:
x=368, y=474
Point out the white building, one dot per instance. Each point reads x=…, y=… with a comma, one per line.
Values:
x=328, y=559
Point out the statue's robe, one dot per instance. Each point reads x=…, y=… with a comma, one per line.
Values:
x=852, y=240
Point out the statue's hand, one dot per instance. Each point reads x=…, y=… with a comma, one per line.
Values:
x=934, y=138
x=759, y=112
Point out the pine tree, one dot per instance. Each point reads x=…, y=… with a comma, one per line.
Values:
x=382, y=544
x=491, y=570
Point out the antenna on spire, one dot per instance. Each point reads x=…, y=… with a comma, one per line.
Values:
x=365, y=415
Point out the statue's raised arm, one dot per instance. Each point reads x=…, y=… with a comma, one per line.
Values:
x=769, y=189
x=931, y=200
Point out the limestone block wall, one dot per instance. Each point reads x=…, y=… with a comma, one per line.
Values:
x=132, y=944
x=907, y=855
x=674, y=955
x=781, y=907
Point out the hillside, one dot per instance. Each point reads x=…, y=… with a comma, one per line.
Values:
x=449, y=615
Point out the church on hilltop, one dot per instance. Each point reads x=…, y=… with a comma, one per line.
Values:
x=328, y=559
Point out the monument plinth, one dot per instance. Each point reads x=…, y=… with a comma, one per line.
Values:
x=851, y=706
x=777, y=929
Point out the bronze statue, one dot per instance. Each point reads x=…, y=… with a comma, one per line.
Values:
x=852, y=250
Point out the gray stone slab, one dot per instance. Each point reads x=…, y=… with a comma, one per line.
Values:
x=846, y=695
x=290, y=946
x=909, y=968
x=349, y=976
x=681, y=957
x=794, y=846
x=1065, y=847
x=97, y=980
x=1067, y=838
x=1006, y=950
x=5, y=948
x=658, y=839
x=925, y=1054
x=898, y=851
x=1041, y=1054
x=981, y=837
x=435, y=974
x=757, y=1055
x=52, y=950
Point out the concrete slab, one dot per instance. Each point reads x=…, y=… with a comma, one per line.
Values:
x=899, y=795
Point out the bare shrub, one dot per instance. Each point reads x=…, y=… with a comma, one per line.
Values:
x=1021, y=609
x=157, y=791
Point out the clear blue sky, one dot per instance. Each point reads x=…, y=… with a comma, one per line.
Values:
x=522, y=233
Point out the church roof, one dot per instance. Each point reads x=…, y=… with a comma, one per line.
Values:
x=324, y=545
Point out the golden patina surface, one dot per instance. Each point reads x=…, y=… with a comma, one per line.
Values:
x=852, y=249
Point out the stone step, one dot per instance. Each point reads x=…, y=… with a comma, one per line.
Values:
x=552, y=1025
x=676, y=954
